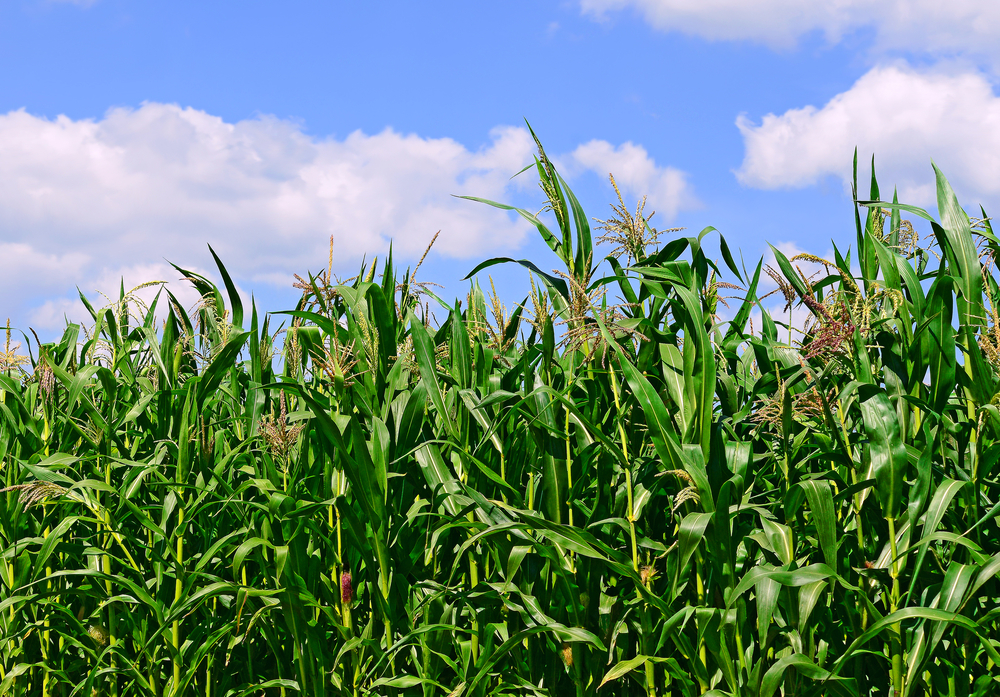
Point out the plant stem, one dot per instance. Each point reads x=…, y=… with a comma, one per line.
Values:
x=700, y=589
x=628, y=472
x=569, y=474
x=895, y=641
x=178, y=596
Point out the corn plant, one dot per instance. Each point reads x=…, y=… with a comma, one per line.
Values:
x=618, y=486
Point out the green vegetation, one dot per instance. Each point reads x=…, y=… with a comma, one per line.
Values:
x=579, y=496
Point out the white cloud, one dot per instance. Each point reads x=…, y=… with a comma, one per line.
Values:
x=83, y=202
x=968, y=27
x=777, y=23
x=140, y=283
x=163, y=176
x=637, y=174
x=903, y=116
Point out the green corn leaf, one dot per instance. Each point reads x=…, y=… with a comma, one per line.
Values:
x=657, y=417
x=557, y=286
x=439, y=476
x=895, y=206
x=917, y=613
x=803, y=665
x=955, y=236
x=727, y=256
x=781, y=539
x=937, y=342
x=550, y=239
x=702, y=377
x=867, y=255
x=738, y=323
x=461, y=354
x=798, y=577
x=673, y=375
x=623, y=668
x=789, y=273
x=234, y=297
x=936, y=510
x=953, y=587
x=820, y=497
x=888, y=456
x=689, y=536
x=808, y=596
x=584, y=241
x=221, y=364
x=424, y=350
x=983, y=379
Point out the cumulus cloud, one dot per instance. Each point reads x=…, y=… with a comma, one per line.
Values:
x=141, y=282
x=162, y=176
x=84, y=202
x=904, y=116
x=960, y=26
x=637, y=174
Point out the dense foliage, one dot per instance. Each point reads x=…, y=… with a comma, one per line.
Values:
x=578, y=496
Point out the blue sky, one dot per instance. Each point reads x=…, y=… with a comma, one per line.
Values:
x=133, y=132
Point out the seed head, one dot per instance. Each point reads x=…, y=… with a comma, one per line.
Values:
x=583, y=330
x=908, y=239
x=9, y=358
x=785, y=287
x=540, y=311
x=35, y=491
x=412, y=290
x=688, y=493
x=489, y=318
x=278, y=435
x=336, y=362
x=46, y=378
x=836, y=329
x=630, y=233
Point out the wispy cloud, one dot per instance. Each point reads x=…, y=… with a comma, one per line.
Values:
x=925, y=26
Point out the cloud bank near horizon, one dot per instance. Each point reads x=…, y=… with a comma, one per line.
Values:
x=87, y=202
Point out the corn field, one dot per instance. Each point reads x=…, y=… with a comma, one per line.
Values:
x=638, y=481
